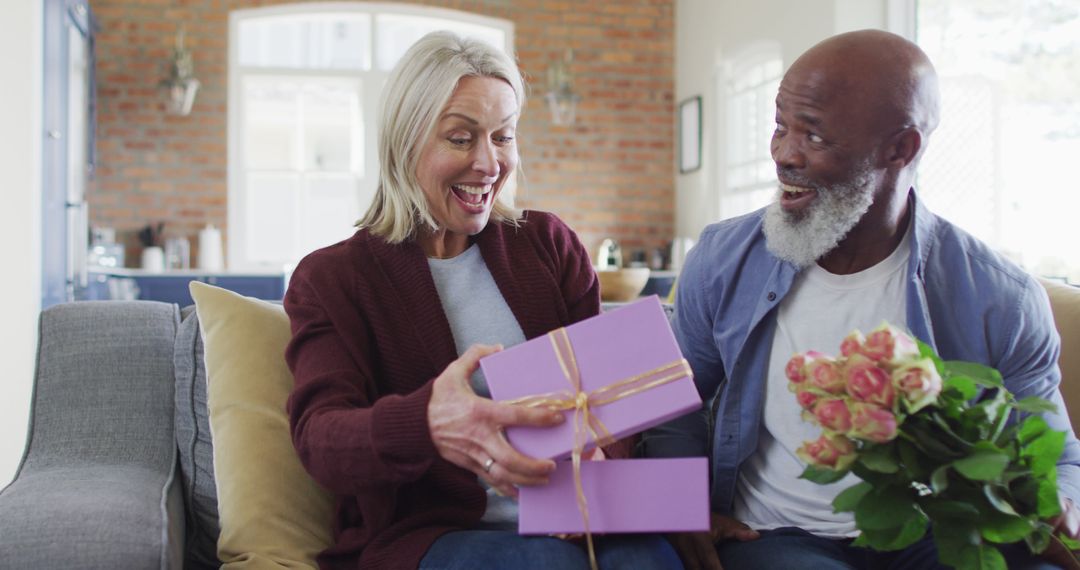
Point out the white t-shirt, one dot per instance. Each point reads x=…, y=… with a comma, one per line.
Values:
x=819, y=311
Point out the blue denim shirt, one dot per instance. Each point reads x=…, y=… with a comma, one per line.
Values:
x=962, y=298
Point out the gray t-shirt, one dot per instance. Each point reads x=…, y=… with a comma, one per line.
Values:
x=478, y=314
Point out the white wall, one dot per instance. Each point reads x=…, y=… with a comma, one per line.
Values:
x=20, y=216
x=709, y=31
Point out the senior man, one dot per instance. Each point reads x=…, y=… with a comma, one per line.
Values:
x=846, y=244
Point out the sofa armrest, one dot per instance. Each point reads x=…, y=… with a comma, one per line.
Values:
x=98, y=485
x=91, y=517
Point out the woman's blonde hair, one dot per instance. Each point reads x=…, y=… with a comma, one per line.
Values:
x=416, y=92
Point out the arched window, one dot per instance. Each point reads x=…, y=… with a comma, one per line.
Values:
x=304, y=85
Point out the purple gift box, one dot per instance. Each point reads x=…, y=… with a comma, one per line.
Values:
x=623, y=495
x=608, y=348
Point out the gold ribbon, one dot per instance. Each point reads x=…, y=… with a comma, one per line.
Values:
x=586, y=424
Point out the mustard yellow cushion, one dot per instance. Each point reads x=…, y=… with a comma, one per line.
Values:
x=1065, y=303
x=272, y=514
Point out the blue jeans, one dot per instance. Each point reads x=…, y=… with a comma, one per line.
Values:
x=496, y=549
x=795, y=549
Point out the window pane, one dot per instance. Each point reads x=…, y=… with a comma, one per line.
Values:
x=271, y=121
x=751, y=108
x=1010, y=125
x=307, y=41
x=395, y=33
x=333, y=126
x=269, y=216
x=332, y=209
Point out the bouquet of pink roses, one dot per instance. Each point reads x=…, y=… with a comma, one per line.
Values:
x=932, y=443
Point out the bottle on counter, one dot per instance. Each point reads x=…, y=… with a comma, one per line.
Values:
x=211, y=257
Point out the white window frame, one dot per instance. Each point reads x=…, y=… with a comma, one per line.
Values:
x=752, y=55
x=372, y=82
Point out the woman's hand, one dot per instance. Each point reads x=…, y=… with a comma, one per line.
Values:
x=467, y=429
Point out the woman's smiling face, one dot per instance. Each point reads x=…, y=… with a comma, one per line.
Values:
x=463, y=165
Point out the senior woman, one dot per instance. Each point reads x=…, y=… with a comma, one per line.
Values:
x=389, y=410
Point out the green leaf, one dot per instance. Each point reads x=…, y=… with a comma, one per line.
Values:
x=880, y=458
x=927, y=351
x=1044, y=451
x=1049, y=505
x=980, y=374
x=1036, y=405
x=939, y=480
x=999, y=499
x=982, y=465
x=939, y=509
x=1008, y=435
x=990, y=558
x=927, y=438
x=849, y=498
x=896, y=538
x=971, y=421
x=1032, y=427
x=962, y=384
x=886, y=507
x=870, y=476
x=1025, y=490
x=822, y=475
x=957, y=541
x=990, y=411
x=912, y=460
x=1002, y=529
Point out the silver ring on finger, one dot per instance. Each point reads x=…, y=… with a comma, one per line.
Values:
x=487, y=464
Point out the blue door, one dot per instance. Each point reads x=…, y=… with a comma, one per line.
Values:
x=68, y=148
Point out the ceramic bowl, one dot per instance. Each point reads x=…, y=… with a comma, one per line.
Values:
x=621, y=285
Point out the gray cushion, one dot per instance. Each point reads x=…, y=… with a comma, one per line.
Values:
x=195, y=446
x=96, y=486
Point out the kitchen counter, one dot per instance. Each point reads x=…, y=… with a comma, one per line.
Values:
x=172, y=286
x=136, y=272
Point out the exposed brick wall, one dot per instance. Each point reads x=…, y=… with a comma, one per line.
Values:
x=609, y=175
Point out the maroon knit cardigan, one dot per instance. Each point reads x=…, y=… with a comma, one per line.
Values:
x=369, y=337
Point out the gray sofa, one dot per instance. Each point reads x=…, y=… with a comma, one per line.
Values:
x=117, y=471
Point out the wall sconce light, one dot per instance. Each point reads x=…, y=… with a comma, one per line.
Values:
x=181, y=86
x=561, y=99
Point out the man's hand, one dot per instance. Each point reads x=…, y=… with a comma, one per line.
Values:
x=1068, y=524
x=698, y=549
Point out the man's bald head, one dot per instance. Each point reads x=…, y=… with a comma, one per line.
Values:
x=887, y=81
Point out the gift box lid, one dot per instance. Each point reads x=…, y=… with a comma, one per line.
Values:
x=607, y=348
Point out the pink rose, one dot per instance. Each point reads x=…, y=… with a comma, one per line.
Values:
x=872, y=423
x=852, y=344
x=918, y=383
x=794, y=369
x=833, y=415
x=868, y=382
x=890, y=346
x=831, y=451
x=824, y=373
x=806, y=398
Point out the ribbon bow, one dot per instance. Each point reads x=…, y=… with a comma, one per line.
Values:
x=586, y=424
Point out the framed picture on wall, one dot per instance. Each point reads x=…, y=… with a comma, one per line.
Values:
x=690, y=134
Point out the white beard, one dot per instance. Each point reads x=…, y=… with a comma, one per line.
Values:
x=803, y=238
